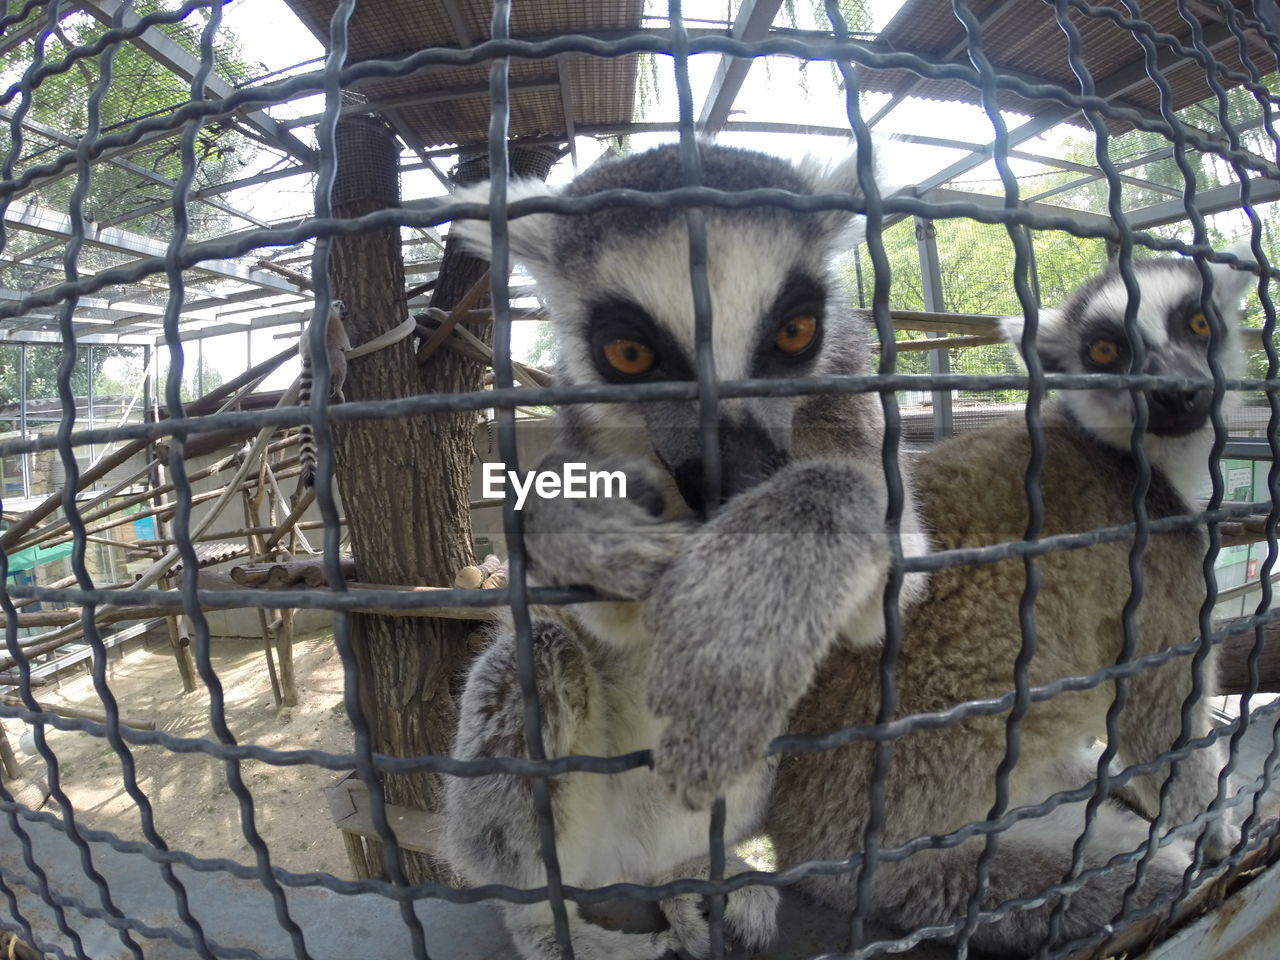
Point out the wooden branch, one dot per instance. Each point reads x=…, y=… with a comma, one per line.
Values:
x=294, y=276
x=536, y=374
x=206, y=404
x=64, y=711
x=203, y=444
x=277, y=576
x=448, y=613
x=66, y=581
x=291, y=520
x=469, y=299
x=164, y=512
x=942, y=343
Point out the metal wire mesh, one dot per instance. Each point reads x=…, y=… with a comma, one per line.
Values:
x=1025, y=238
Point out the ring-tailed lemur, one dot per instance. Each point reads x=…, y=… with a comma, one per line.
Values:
x=961, y=640
x=336, y=344
x=795, y=557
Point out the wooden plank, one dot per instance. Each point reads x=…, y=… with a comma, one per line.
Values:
x=350, y=807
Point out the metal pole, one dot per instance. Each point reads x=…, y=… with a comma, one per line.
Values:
x=88, y=359
x=1034, y=267
x=939, y=360
x=22, y=417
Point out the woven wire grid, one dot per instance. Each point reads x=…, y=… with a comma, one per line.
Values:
x=678, y=44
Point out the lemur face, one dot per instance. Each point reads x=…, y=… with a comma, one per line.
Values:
x=617, y=284
x=1086, y=335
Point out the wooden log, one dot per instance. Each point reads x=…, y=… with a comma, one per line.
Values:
x=473, y=576
x=277, y=576
x=444, y=613
x=944, y=343
x=497, y=581
x=1233, y=659
x=250, y=574
x=67, y=581
x=60, y=710
x=315, y=576
x=13, y=680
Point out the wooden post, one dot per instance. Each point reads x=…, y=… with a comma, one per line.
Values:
x=255, y=544
x=284, y=654
x=407, y=514
x=179, y=635
x=8, y=760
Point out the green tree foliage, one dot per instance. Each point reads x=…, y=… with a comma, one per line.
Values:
x=141, y=87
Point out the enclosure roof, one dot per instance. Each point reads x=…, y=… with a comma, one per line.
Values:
x=451, y=105
x=1026, y=39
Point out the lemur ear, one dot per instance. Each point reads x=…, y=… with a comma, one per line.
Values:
x=840, y=177
x=530, y=235
x=1011, y=328
x=1230, y=284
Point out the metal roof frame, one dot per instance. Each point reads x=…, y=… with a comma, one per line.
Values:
x=266, y=299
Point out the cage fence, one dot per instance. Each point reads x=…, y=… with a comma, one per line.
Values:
x=1185, y=107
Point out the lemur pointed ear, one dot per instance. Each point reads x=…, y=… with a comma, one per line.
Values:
x=840, y=177
x=1230, y=284
x=530, y=235
x=1011, y=328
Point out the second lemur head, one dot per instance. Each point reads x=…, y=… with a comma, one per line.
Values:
x=617, y=286
x=1086, y=334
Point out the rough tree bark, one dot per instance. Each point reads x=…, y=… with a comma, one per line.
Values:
x=404, y=482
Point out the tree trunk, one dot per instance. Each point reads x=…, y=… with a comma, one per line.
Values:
x=404, y=482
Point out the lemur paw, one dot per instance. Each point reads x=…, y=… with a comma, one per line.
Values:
x=701, y=754
x=1221, y=836
x=720, y=702
x=750, y=918
x=619, y=545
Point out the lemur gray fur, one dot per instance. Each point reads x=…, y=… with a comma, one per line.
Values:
x=749, y=599
x=960, y=641
x=336, y=344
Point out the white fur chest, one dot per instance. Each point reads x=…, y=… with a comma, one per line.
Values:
x=628, y=827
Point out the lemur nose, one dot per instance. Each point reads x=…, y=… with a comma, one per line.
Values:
x=1177, y=411
x=1173, y=401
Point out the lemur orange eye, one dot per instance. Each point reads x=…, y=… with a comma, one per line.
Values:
x=629, y=356
x=796, y=334
x=1199, y=325
x=1104, y=352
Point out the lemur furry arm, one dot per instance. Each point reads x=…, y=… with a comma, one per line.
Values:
x=747, y=610
x=619, y=546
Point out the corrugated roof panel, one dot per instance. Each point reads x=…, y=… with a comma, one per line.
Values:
x=604, y=89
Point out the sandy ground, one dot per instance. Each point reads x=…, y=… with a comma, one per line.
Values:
x=195, y=809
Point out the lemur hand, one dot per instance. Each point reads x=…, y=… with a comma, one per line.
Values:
x=744, y=614
x=618, y=545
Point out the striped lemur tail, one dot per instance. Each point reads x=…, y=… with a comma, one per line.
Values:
x=336, y=345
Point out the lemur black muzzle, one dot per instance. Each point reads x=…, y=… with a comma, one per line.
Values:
x=1171, y=413
x=747, y=456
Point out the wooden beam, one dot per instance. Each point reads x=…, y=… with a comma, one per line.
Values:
x=564, y=65
x=751, y=24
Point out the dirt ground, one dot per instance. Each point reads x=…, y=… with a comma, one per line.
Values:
x=195, y=809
